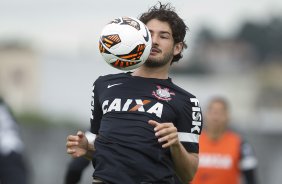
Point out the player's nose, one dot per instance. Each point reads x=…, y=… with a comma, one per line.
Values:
x=155, y=39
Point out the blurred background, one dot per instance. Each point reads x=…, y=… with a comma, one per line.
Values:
x=49, y=60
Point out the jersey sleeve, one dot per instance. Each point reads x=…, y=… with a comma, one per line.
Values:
x=96, y=111
x=248, y=163
x=248, y=159
x=189, y=125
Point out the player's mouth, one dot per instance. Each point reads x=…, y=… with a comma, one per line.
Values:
x=155, y=51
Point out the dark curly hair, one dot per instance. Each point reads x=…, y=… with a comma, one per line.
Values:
x=166, y=13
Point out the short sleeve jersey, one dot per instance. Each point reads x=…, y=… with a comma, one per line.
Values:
x=127, y=150
x=223, y=160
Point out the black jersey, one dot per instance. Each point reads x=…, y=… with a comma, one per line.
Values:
x=127, y=150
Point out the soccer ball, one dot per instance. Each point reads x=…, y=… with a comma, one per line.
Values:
x=125, y=43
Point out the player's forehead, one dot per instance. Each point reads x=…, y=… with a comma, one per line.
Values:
x=157, y=26
x=217, y=105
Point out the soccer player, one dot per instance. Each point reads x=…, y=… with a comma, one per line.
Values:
x=147, y=128
x=12, y=166
x=224, y=155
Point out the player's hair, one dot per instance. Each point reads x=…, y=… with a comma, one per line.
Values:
x=219, y=99
x=166, y=13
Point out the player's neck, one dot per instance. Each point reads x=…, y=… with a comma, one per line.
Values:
x=215, y=134
x=150, y=72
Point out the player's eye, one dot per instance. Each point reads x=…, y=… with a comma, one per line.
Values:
x=164, y=37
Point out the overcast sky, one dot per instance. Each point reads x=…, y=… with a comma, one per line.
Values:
x=68, y=24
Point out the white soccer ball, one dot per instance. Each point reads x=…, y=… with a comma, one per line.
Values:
x=125, y=43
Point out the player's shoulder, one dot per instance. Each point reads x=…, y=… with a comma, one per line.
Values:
x=184, y=99
x=182, y=91
x=109, y=77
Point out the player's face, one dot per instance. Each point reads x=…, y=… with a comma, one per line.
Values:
x=163, y=47
x=216, y=116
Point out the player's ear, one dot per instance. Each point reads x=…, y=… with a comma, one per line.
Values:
x=177, y=48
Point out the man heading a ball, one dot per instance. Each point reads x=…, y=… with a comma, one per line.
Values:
x=146, y=127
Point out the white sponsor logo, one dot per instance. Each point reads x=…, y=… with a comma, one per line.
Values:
x=196, y=116
x=133, y=105
x=219, y=161
x=111, y=85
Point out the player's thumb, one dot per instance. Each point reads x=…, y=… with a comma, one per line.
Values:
x=80, y=134
x=154, y=123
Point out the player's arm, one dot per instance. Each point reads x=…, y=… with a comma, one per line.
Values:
x=248, y=163
x=78, y=146
x=90, y=147
x=95, y=120
x=186, y=163
x=83, y=144
x=183, y=141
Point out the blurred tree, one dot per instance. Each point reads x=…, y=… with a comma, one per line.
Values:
x=206, y=35
x=265, y=38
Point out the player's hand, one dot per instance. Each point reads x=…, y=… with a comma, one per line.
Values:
x=166, y=133
x=77, y=145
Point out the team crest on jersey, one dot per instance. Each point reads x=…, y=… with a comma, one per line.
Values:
x=163, y=94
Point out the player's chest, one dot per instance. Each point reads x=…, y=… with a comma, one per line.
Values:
x=152, y=98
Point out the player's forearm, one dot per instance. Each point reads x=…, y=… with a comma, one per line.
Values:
x=185, y=163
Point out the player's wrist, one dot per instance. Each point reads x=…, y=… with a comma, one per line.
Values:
x=90, y=137
x=176, y=145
